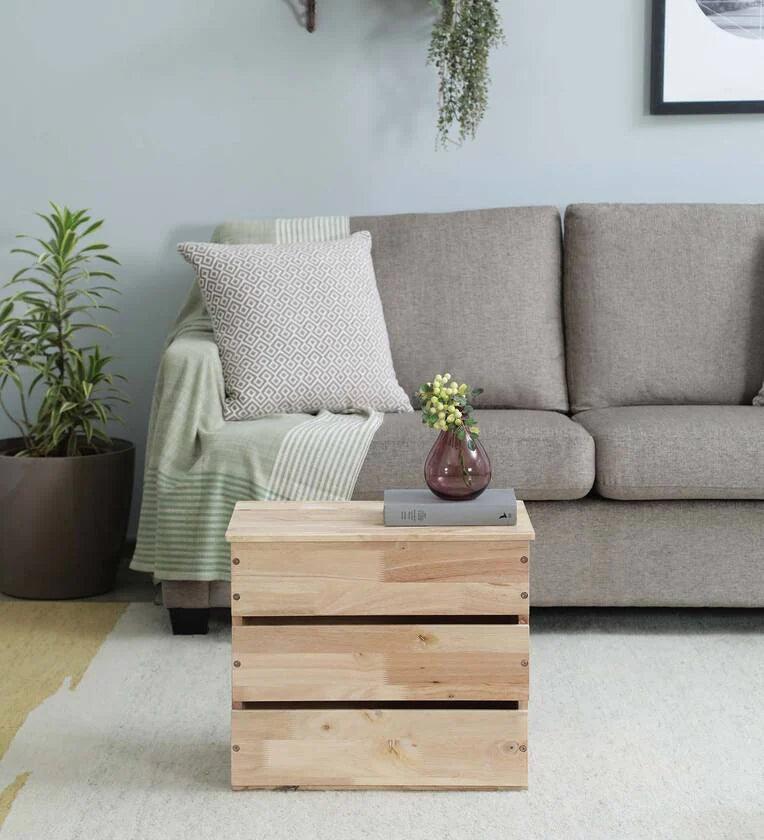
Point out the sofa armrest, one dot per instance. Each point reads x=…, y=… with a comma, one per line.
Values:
x=193, y=353
x=189, y=391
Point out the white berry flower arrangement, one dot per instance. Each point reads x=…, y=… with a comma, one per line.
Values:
x=446, y=406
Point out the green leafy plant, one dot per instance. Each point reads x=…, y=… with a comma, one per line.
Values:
x=40, y=324
x=446, y=406
x=463, y=36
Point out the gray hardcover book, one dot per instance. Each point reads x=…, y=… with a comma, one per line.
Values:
x=404, y=508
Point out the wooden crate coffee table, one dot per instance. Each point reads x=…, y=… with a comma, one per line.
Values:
x=366, y=656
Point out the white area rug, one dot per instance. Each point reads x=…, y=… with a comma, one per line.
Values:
x=643, y=725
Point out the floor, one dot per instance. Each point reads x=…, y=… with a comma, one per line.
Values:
x=644, y=724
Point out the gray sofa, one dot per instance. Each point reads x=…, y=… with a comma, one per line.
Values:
x=619, y=365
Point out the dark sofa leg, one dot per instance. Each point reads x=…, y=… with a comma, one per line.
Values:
x=189, y=622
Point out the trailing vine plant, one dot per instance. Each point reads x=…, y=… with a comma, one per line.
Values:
x=463, y=36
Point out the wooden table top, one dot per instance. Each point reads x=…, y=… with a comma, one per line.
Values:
x=352, y=522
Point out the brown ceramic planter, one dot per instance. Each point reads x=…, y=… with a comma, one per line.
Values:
x=63, y=521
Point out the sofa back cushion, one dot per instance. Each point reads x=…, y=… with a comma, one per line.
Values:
x=664, y=304
x=478, y=294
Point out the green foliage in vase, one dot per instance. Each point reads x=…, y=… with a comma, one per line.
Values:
x=41, y=356
x=446, y=406
x=463, y=36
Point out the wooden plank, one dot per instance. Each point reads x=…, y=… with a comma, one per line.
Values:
x=283, y=522
x=377, y=578
x=398, y=748
x=421, y=662
x=260, y=597
x=390, y=562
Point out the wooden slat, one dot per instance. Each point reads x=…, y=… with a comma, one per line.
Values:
x=413, y=748
x=283, y=522
x=259, y=597
x=380, y=662
x=391, y=562
x=380, y=578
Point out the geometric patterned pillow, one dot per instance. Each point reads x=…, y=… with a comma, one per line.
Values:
x=299, y=327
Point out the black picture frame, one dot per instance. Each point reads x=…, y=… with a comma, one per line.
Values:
x=657, y=104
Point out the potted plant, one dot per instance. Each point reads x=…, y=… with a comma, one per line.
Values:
x=457, y=467
x=65, y=485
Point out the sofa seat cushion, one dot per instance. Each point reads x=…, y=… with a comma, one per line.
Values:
x=678, y=452
x=542, y=454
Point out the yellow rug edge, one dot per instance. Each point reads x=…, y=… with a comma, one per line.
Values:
x=44, y=643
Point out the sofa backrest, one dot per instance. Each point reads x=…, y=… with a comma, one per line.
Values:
x=478, y=294
x=664, y=304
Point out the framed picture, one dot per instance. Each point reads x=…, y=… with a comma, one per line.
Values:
x=707, y=57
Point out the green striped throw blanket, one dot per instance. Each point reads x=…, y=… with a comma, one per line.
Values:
x=198, y=466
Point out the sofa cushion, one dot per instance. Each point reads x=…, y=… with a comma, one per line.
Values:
x=678, y=452
x=664, y=304
x=542, y=454
x=477, y=293
x=299, y=327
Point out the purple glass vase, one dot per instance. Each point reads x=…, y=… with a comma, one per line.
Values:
x=456, y=469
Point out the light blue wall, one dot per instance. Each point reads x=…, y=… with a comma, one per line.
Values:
x=166, y=116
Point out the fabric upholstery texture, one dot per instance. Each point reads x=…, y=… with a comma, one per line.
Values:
x=541, y=454
x=664, y=304
x=678, y=452
x=601, y=553
x=299, y=327
x=596, y=552
x=478, y=294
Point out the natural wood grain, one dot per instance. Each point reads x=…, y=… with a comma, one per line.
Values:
x=258, y=597
x=389, y=562
x=378, y=578
x=284, y=522
x=428, y=748
x=380, y=662
x=337, y=565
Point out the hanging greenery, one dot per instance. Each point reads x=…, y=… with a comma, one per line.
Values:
x=462, y=38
